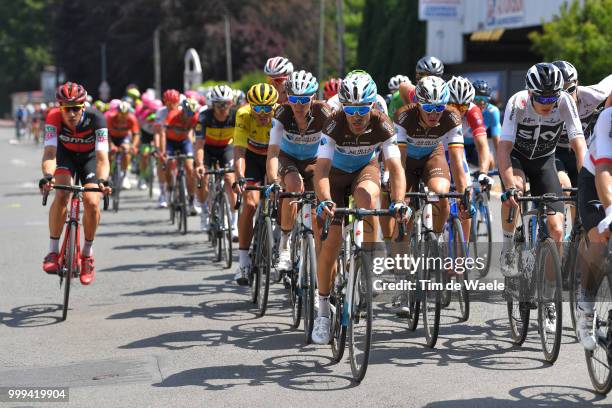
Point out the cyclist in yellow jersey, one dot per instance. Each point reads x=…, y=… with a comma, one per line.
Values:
x=251, y=137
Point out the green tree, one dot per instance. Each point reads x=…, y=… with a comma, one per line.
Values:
x=24, y=46
x=580, y=34
x=353, y=17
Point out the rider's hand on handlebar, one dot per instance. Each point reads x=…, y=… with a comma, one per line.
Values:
x=508, y=198
x=238, y=185
x=271, y=189
x=485, y=181
x=401, y=211
x=200, y=170
x=46, y=183
x=105, y=186
x=326, y=209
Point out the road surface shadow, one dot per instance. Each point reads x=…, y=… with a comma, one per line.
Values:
x=32, y=316
x=297, y=372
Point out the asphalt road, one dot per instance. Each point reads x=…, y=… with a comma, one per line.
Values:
x=164, y=326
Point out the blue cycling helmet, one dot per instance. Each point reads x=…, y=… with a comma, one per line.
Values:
x=301, y=83
x=358, y=88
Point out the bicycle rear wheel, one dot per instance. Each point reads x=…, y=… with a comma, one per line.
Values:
x=70, y=268
x=481, y=237
x=459, y=250
x=226, y=231
x=309, y=284
x=264, y=265
x=339, y=314
x=432, y=293
x=414, y=296
x=551, y=296
x=571, y=266
x=216, y=228
x=295, y=289
x=599, y=360
x=150, y=175
x=182, y=224
x=360, y=322
x=117, y=182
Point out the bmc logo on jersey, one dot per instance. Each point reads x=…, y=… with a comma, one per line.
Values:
x=77, y=140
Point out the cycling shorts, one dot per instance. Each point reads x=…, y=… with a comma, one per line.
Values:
x=121, y=140
x=80, y=166
x=255, y=167
x=565, y=160
x=426, y=168
x=590, y=209
x=305, y=168
x=222, y=154
x=183, y=147
x=343, y=184
x=542, y=176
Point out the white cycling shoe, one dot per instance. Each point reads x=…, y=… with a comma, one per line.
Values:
x=242, y=276
x=585, y=327
x=507, y=263
x=320, y=331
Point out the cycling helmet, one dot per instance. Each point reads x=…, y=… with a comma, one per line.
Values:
x=239, y=96
x=114, y=105
x=432, y=89
x=301, y=83
x=190, y=106
x=171, y=96
x=133, y=92
x=277, y=66
x=544, y=79
x=221, y=93
x=481, y=88
x=358, y=88
x=430, y=65
x=461, y=90
x=567, y=70
x=124, y=107
x=331, y=87
x=394, y=82
x=262, y=94
x=71, y=93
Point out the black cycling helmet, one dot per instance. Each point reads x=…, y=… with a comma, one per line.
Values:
x=544, y=79
x=481, y=87
x=569, y=72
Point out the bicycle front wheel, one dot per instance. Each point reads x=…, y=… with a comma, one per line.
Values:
x=264, y=265
x=339, y=315
x=309, y=284
x=481, y=237
x=182, y=224
x=432, y=292
x=70, y=268
x=599, y=360
x=459, y=250
x=360, y=323
x=226, y=231
x=550, y=305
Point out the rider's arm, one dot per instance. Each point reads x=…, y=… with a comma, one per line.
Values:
x=199, y=152
x=102, y=162
x=325, y=155
x=609, y=101
x=276, y=134
x=135, y=134
x=569, y=114
x=402, y=138
x=49, y=160
x=603, y=182
x=454, y=141
x=479, y=131
x=506, y=144
x=601, y=155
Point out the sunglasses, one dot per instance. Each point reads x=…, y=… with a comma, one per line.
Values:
x=461, y=108
x=262, y=108
x=357, y=110
x=571, y=89
x=546, y=100
x=482, y=98
x=302, y=100
x=431, y=107
x=221, y=105
x=72, y=108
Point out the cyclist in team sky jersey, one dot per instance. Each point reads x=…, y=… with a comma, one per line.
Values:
x=178, y=135
x=124, y=133
x=251, y=137
x=490, y=114
x=595, y=209
x=278, y=69
x=171, y=99
x=347, y=159
x=76, y=150
x=292, y=153
x=589, y=99
x=214, y=136
x=424, y=130
x=533, y=122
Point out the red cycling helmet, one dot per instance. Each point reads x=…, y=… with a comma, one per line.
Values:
x=331, y=87
x=171, y=96
x=71, y=93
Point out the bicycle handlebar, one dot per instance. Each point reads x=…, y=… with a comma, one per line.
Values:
x=358, y=213
x=77, y=189
x=546, y=198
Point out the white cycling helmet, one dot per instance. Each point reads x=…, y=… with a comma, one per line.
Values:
x=569, y=72
x=432, y=90
x=430, y=65
x=461, y=90
x=394, y=82
x=302, y=83
x=357, y=88
x=277, y=66
x=221, y=93
x=544, y=79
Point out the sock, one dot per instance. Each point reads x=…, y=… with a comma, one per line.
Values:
x=54, y=245
x=323, y=306
x=284, y=241
x=87, y=250
x=244, y=257
x=508, y=240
